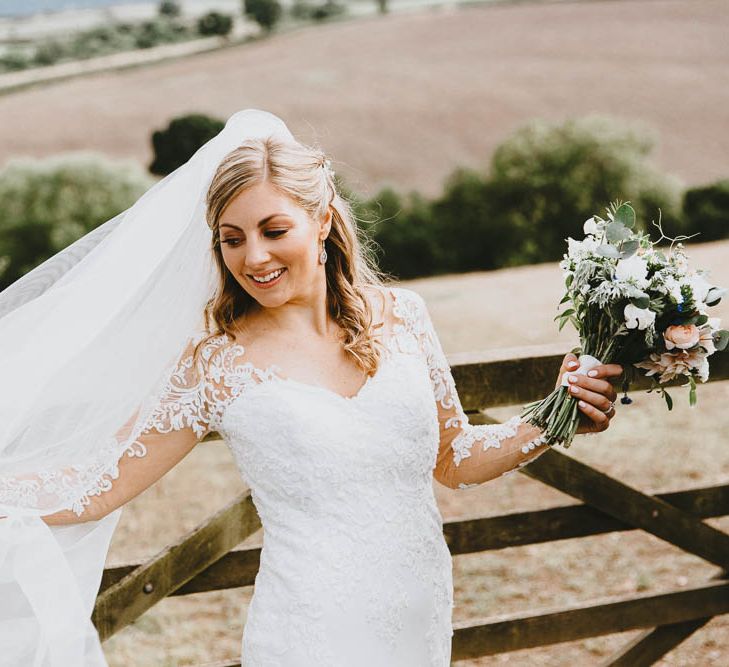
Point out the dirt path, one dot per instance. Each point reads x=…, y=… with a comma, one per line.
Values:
x=404, y=99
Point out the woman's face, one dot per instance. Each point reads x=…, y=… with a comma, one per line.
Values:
x=262, y=231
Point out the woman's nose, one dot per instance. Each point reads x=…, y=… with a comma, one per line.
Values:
x=257, y=254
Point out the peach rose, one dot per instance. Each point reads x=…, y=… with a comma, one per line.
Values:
x=682, y=336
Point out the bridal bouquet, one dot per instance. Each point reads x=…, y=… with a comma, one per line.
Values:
x=635, y=306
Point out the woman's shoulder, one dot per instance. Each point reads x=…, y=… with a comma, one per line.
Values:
x=406, y=314
x=207, y=350
x=398, y=295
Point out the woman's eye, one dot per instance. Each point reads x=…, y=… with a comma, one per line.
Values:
x=276, y=233
x=232, y=242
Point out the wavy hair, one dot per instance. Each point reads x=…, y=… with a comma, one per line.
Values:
x=302, y=173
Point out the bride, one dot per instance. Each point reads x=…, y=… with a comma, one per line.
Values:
x=271, y=326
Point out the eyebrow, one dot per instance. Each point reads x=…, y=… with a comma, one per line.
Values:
x=260, y=222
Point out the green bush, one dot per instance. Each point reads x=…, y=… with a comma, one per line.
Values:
x=266, y=13
x=14, y=59
x=169, y=8
x=49, y=52
x=403, y=231
x=99, y=41
x=706, y=210
x=544, y=182
x=316, y=11
x=160, y=31
x=546, y=179
x=472, y=235
x=215, y=23
x=176, y=144
x=48, y=204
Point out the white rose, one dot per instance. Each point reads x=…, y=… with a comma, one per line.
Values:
x=573, y=248
x=699, y=287
x=590, y=245
x=673, y=287
x=590, y=226
x=634, y=267
x=578, y=250
x=638, y=317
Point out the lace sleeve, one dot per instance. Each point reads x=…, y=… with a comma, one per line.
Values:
x=187, y=407
x=468, y=454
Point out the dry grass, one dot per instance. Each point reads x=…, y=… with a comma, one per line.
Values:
x=405, y=99
x=678, y=449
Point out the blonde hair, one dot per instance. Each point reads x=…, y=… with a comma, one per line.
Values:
x=302, y=173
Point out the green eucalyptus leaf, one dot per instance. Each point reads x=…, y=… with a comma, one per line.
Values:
x=625, y=215
x=702, y=319
x=640, y=301
x=629, y=248
x=635, y=292
x=607, y=250
x=714, y=295
x=669, y=400
x=721, y=338
x=616, y=232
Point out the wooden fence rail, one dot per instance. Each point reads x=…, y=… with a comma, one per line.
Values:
x=209, y=559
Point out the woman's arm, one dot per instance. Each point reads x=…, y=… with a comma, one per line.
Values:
x=470, y=454
x=162, y=451
x=179, y=420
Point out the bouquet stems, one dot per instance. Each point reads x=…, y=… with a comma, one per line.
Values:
x=557, y=415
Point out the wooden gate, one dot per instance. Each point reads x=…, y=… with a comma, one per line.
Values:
x=208, y=558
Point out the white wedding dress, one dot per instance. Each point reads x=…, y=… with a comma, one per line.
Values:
x=354, y=569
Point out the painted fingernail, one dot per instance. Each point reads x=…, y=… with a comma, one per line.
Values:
x=571, y=364
x=592, y=373
x=575, y=390
x=572, y=378
x=581, y=404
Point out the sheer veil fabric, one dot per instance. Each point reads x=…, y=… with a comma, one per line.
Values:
x=86, y=340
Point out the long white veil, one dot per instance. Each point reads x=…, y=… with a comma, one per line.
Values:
x=86, y=340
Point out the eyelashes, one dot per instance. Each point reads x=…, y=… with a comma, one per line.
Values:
x=272, y=234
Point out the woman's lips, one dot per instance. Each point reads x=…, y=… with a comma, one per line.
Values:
x=270, y=283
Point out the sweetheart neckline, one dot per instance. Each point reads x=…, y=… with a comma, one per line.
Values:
x=273, y=371
x=317, y=387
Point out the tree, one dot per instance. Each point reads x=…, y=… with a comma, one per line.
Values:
x=264, y=12
x=176, y=144
x=215, y=23
x=548, y=178
x=169, y=8
x=706, y=210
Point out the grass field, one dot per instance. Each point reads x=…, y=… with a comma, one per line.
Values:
x=646, y=446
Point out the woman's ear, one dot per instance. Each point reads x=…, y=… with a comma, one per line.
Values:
x=326, y=223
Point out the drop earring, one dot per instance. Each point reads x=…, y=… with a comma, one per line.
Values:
x=322, y=254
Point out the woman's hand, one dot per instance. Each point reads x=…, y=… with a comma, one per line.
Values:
x=595, y=395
